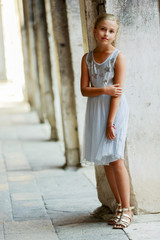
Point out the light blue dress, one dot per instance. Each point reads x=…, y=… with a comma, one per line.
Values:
x=97, y=149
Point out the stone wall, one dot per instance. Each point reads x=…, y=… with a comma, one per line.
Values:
x=139, y=40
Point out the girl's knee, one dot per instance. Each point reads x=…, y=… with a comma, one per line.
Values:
x=117, y=164
x=107, y=167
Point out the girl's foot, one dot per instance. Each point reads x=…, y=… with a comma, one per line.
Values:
x=125, y=219
x=117, y=215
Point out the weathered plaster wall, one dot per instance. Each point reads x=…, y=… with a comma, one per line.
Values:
x=139, y=40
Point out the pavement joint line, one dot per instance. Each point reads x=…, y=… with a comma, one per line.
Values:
x=44, y=204
x=4, y=158
x=55, y=230
x=3, y=231
x=11, y=202
x=46, y=210
x=7, y=183
x=126, y=234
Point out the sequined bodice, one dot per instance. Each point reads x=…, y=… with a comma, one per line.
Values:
x=101, y=74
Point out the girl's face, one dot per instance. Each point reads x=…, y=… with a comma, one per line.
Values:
x=106, y=31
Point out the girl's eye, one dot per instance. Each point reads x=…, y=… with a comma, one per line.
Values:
x=111, y=31
x=102, y=28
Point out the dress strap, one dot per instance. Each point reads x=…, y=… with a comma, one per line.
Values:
x=115, y=55
x=89, y=57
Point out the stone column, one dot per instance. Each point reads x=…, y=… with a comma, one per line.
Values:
x=76, y=46
x=30, y=80
x=69, y=117
x=44, y=63
x=24, y=49
x=54, y=70
x=33, y=65
x=142, y=151
x=2, y=58
x=22, y=15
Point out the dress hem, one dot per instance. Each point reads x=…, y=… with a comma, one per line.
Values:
x=86, y=162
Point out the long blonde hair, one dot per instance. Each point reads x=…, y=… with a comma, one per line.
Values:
x=108, y=16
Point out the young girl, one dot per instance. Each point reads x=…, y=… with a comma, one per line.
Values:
x=107, y=113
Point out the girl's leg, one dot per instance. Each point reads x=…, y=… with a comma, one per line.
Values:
x=113, y=185
x=122, y=181
x=112, y=182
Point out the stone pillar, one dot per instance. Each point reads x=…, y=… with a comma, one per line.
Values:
x=44, y=63
x=2, y=58
x=24, y=49
x=67, y=82
x=28, y=7
x=54, y=70
x=139, y=40
x=28, y=78
x=76, y=46
x=89, y=10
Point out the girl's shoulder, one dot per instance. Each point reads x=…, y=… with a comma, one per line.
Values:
x=117, y=56
x=88, y=57
x=119, y=53
x=119, y=59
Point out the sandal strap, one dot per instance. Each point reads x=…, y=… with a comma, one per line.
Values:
x=123, y=224
x=128, y=209
x=119, y=204
x=119, y=210
x=115, y=217
x=126, y=215
x=123, y=221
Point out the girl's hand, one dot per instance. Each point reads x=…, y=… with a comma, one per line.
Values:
x=110, y=133
x=114, y=90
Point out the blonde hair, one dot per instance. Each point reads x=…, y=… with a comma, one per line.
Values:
x=107, y=16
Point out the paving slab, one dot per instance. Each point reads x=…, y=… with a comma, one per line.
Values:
x=85, y=231
x=65, y=218
x=1, y=231
x=146, y=231
x=25, y=196
x=31, y=226
x=28, y=209
x=33, y=236
x=32, y=229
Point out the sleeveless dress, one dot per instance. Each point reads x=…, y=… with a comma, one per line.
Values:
x=97, y=149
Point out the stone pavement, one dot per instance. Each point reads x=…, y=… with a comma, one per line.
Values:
x=41, y=200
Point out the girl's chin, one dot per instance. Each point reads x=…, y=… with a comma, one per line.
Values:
x=104, y=42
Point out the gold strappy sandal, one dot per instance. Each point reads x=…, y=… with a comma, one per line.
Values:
x=116, y=217
x=125, y=219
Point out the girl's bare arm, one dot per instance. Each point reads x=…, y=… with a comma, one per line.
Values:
x=112, y=90
x=120, y=71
